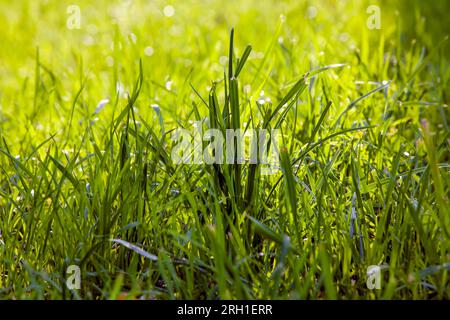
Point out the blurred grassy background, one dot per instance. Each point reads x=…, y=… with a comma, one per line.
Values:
x=185, y=47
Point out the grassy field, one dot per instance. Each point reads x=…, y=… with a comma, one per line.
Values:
x=92, y=92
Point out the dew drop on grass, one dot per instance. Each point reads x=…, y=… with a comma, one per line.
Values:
x=260, y=101
x=169, y=11
x=148, y=51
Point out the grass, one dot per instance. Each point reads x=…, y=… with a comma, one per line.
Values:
x=87, y=177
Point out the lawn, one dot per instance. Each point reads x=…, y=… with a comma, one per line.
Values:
x=97, y=202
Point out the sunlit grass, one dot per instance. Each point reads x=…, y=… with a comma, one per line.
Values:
x=87, y=179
